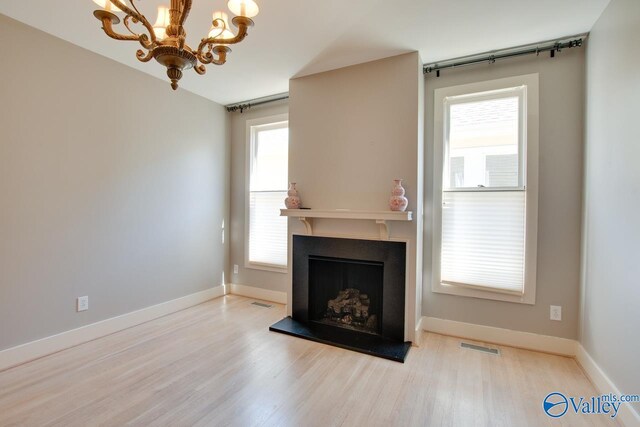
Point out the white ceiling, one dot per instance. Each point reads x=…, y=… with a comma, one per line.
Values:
x=299, y=37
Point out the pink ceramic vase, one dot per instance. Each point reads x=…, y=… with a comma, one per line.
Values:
x=293, y=201
x=397, y=201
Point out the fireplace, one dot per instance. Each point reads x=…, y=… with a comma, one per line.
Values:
x=349, y=293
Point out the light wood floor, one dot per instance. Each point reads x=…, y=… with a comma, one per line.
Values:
x=217, y=364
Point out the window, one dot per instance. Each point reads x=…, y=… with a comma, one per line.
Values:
x=267, y=166
x=486, y=189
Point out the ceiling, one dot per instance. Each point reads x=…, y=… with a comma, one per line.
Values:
x=293, y=38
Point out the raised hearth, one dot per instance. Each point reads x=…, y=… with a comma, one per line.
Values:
x=368, y=344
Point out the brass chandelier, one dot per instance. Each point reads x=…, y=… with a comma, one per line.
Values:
x=165, y=41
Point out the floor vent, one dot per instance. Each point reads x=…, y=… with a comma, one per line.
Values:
x=261, y=304
x=480, y=348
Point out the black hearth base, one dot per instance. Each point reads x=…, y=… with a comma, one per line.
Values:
x=361, y=342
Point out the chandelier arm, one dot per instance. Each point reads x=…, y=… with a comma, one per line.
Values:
x=146, y=41
x=144, y=57
x=107, y=26
x=186, y=8
x=219, y=22
x=126, y=20
x=133, y=5
x=243, y=24
x=222, y=57
x=217, y=55
x=205, y=57
x=200, y=69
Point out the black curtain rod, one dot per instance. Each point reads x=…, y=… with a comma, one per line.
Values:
x=255, y=102
x=550, y=46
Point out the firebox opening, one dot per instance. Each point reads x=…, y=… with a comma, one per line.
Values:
x=346, y=293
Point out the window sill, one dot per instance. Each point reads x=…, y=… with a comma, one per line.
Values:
x=266, y=267
x=441, y=288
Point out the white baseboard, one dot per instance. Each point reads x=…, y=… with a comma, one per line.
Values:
x=627, y=415
x=33, y=350
x=258, y=293
x=526, y=340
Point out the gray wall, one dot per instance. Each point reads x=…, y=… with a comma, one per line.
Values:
x=352, y=131
x=560, y=189
x=237, y=125
x=611, y=250
x=111, y=186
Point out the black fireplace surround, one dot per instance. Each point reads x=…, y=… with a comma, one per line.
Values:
x=349, y=293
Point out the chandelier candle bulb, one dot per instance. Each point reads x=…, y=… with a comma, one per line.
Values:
x=162, y=22
x=246, y=8
x=107, y=5
x=165, y=41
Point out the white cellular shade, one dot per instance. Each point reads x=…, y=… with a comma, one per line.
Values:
x=483, y=239
x=267, y=229
x=267, y=234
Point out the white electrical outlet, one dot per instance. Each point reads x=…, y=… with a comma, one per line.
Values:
x=555, y=313
x=82, y=303
x=235, y=268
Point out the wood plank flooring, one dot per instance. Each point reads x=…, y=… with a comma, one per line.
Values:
x=217, y=364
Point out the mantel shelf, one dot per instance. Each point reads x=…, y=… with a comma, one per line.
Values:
x=380, y=217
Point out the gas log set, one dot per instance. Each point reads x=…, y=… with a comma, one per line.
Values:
x=350, y=309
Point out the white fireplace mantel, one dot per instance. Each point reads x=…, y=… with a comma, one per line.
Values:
x=306, y=216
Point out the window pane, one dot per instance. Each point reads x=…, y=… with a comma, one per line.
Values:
x=267, y=229
x=480, y=130
x=269, y=170
x=483, y=239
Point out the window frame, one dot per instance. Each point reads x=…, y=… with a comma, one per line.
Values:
x=270, y=122
x=528, y=181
